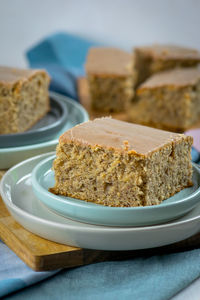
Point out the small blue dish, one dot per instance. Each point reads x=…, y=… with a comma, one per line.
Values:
x=87, y=212
x=44, y=130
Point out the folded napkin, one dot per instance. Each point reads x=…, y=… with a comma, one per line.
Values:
x=150, y=277
x=63, y=56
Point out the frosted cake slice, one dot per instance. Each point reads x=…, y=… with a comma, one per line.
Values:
x=116, y=163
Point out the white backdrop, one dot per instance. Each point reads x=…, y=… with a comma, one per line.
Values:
x=122, y=23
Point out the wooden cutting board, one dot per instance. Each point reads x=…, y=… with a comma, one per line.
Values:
x=43, y=255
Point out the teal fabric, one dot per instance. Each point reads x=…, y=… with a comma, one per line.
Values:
x=11, y=285
x=63, y=55
x=151, y=277
x=14, y=274
x=195, y=155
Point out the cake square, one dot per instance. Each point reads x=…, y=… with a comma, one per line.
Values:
x=168, y=100
x=23, y=98
x=110, y=78
x=156, y=58
x=116, y=163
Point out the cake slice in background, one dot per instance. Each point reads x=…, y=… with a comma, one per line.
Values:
x=23, y=98
x=116, y=163
x=168, y=100
x=111, y=79
x=156, y=58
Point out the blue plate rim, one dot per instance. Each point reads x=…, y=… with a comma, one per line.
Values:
x=68, y=200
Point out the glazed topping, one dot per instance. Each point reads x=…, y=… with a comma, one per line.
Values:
x=176, y=77
x=10, y=75
x=109, y=61
x=119, y=135
x=170, y=52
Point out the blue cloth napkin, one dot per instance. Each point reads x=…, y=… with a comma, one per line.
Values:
x=195, y=155
x=150, y=277
x=14, y=274
x=63, y=55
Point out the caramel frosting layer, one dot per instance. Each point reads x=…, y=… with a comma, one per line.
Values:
x=10, y=76
x=175, y=77
x=109, y=61
x=113, y=134
x=165, y=52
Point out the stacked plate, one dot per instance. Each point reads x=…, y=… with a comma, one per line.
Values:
x=43, y=137
x=25, y=191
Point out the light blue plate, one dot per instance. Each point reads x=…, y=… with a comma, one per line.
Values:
x=172, y=208
x=13, y=155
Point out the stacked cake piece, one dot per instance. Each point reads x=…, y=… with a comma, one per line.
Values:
x=156, y=85
x=150, y=60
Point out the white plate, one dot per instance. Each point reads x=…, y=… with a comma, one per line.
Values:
x=13, y=155
x=17, y=194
